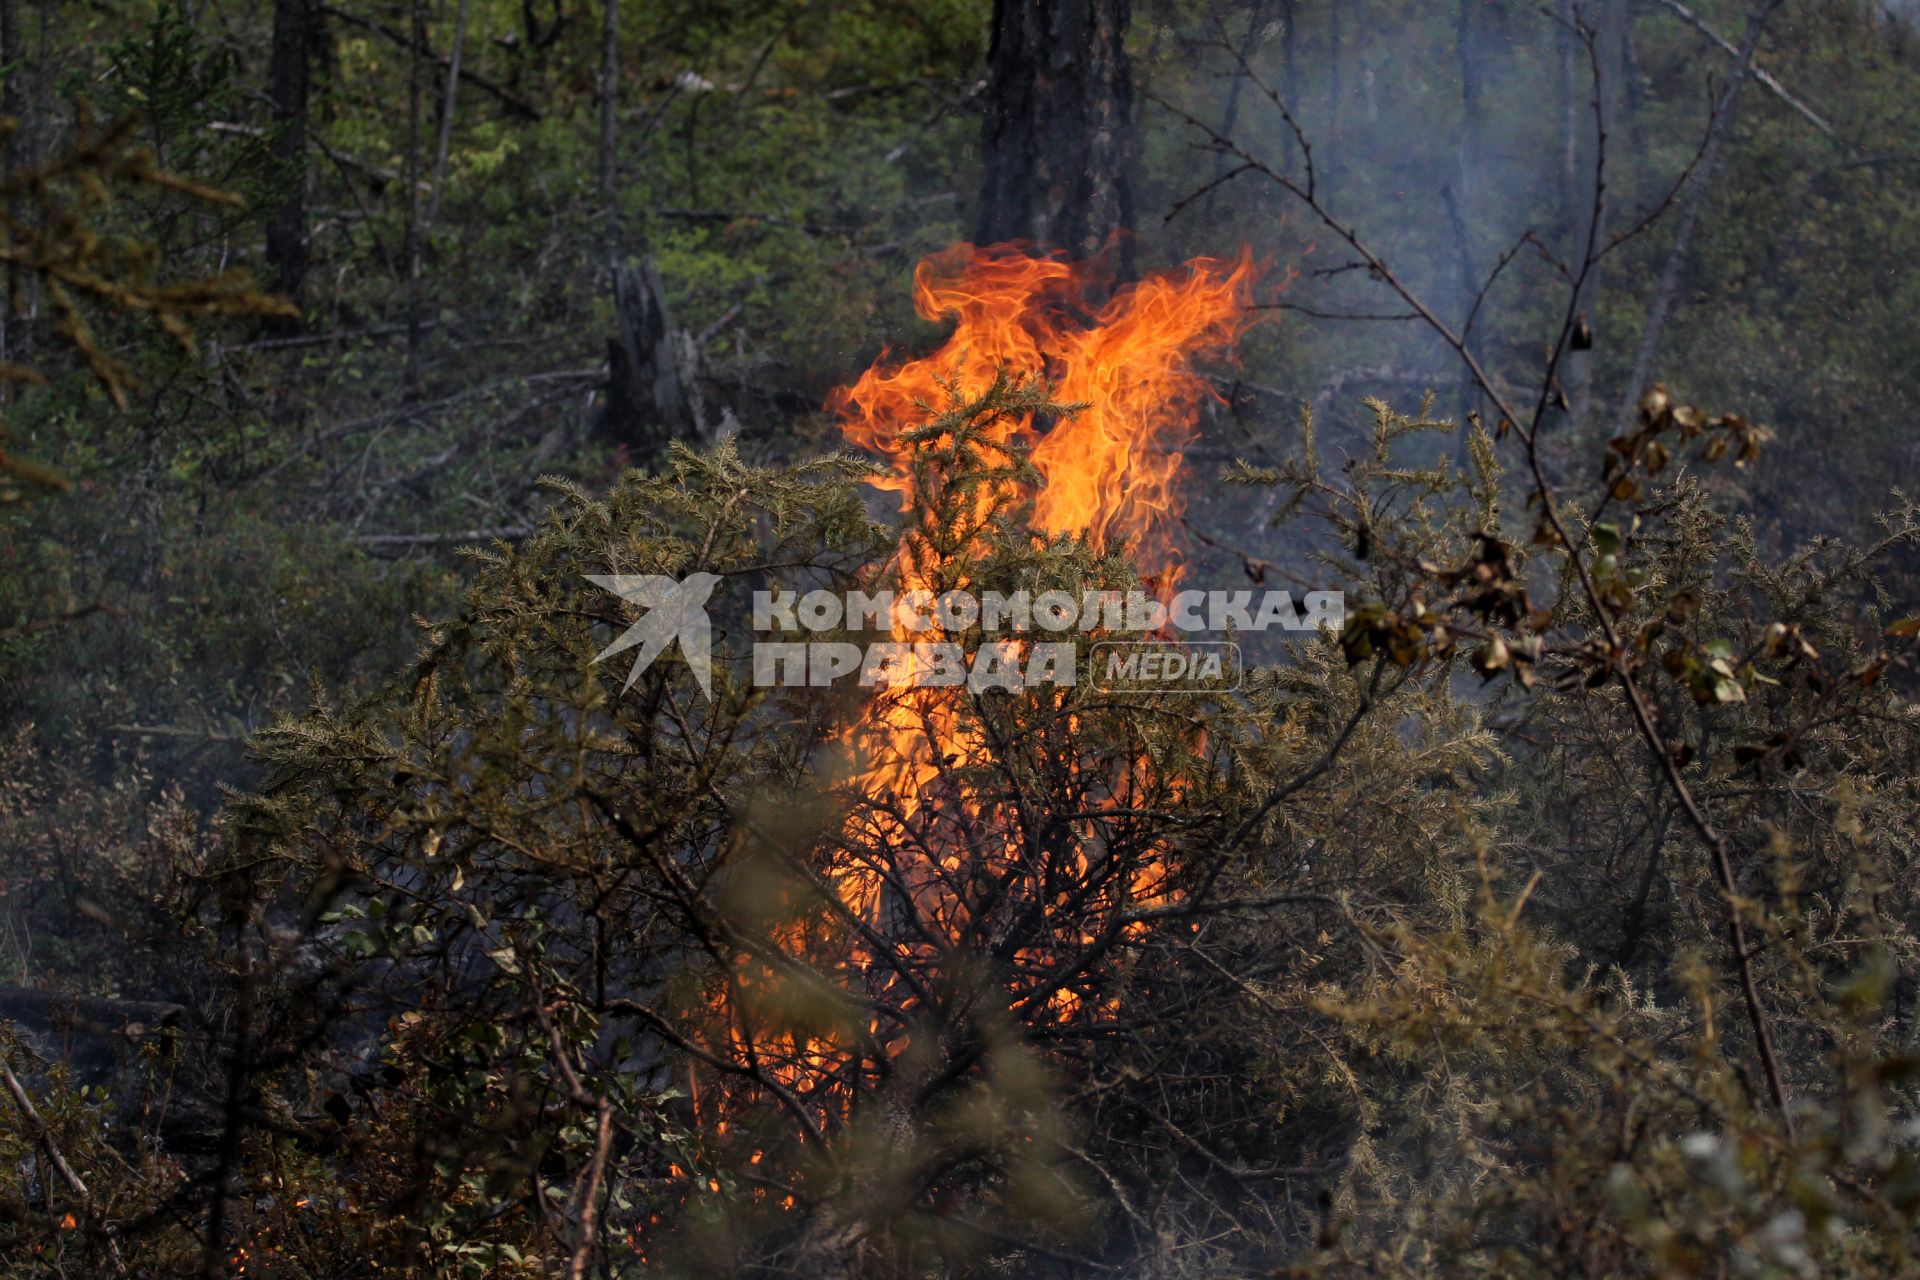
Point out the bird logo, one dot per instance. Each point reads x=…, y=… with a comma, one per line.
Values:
x=675, y=611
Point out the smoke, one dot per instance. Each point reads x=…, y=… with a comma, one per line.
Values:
x=1461, y=144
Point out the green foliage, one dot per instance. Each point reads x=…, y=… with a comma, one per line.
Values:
x=58, y=240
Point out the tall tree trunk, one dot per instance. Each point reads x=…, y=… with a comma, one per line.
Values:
x=10, y=99
x=416, y=74
x=1056, y=138
x=446, y=112
x=1470, y=91
x=1461, y=194
x=609, y=108
x=287, y=253
x=26, y=97
x=1567, y=173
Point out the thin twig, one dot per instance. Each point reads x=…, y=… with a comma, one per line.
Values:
x=1528, y=429
x=44, y=1139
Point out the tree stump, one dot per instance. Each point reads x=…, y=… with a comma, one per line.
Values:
x=655, y=389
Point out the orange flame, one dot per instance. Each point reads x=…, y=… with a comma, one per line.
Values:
x=1109, y=469
x=1109, y=472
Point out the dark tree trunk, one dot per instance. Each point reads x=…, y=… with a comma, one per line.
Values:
x=10, y=98
x=25, y=97
x=1468, y=52
x=12, y=48
x=1056, y=140
x=415, y=88
x=1463, y=191
x=293, y=23
x=609, y=115
x=656, y=391
x=446, y=113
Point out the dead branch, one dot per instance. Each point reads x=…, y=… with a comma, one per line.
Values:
x=1766, y=78
x=52, y=620
x=44, y=1140
x=515, y=104
x=504, y=533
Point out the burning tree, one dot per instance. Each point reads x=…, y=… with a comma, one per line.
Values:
x=832, y=980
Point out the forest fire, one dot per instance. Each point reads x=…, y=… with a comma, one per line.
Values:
x=930, y=862
x=506, y=773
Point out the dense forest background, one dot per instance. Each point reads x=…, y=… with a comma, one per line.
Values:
x=1557, y=917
